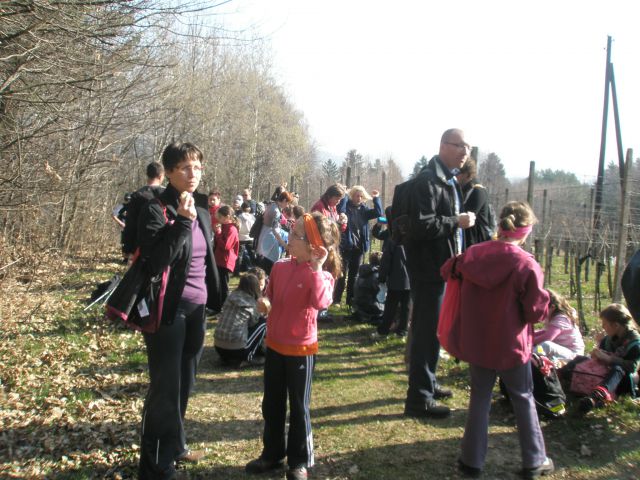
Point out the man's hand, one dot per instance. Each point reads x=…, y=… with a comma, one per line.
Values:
x=466, y=220
x=375, y=193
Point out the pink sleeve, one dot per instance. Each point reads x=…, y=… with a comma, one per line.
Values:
x=321, y=289
x=548, y=333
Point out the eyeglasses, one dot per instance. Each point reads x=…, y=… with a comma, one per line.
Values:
x=196, y=169
x=462, y=146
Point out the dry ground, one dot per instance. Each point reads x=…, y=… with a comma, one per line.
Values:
x=72, y=386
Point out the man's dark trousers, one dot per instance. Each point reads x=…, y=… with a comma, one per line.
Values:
x=425, y=347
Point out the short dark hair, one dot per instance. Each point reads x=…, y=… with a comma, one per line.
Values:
x=469, y=168
x=176, y=152
x=154, y=170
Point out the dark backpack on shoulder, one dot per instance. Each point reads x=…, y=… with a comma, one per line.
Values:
x=630, y=284
x=139, y=199
x=401, y=206
x=256, y=228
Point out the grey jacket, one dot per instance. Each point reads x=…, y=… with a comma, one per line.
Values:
x=238, y=314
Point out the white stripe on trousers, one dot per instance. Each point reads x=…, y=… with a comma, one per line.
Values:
x=307, y=410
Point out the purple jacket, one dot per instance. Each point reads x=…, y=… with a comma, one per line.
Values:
x=502, y=297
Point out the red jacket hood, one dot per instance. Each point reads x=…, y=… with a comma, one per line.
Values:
x=484, y=264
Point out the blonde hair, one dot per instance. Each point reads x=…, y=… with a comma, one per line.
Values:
x=516, y=214
x=559, y=304
x=363, y=192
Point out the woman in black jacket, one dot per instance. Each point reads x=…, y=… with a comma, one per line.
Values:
x=175, y=231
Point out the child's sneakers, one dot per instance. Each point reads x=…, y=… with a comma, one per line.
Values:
x=298, y=473
x=597, y=399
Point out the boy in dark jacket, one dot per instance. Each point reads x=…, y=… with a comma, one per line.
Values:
x=366, y=307
x=393, y=272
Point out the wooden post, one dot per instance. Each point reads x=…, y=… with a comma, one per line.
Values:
x=603, y=141
x=544, y=212
x=548, y=263
x=268, y=195
x=349, y=177
x=616, y=122
x=623, y=229
x=532, y=173
x=578, y=267
x=506, y=195
x=307, y=195
x=383, y=189
x=596, y=287
x=292, y=185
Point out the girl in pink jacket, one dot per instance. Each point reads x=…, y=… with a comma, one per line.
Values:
x=502, y=296
x=298, y=287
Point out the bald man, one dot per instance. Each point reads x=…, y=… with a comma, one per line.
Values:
x=436, y=233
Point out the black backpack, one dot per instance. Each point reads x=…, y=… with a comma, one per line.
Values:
x=256, y=228
x=401, y=206
x=547, y=389
x=138, y=200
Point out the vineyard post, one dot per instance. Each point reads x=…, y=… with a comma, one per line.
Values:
x=623, y=228
x=383, y=189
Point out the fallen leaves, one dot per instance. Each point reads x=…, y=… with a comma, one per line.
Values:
x=70, y=399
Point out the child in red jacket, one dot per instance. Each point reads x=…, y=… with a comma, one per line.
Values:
x=227, y=245
x=298, y=287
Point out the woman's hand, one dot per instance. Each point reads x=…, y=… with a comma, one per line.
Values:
x=342, y=218
x=187, y=206
x=318, y=257
x=375, y=193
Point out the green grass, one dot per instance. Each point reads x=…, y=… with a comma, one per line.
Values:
x=78, y=417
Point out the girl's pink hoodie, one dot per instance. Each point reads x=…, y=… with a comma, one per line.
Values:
x=296, y=294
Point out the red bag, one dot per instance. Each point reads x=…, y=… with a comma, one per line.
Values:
x=449, y=323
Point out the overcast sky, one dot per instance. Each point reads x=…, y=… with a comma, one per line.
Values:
x=523, y=79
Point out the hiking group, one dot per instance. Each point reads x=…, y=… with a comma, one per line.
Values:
x=439, y=229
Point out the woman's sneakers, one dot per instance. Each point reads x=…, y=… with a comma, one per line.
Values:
x=468, y=471
x=546, y=468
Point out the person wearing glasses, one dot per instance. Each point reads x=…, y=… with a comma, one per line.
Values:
x=437, y=221
x=175, y=231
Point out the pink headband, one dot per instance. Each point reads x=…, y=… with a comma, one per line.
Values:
x=519, y=232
